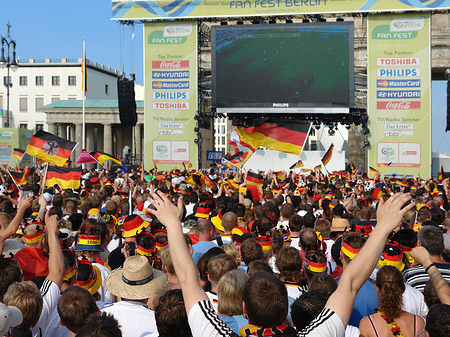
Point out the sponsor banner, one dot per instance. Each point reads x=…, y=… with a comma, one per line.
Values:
x=398, y=61
x=214, y=155
x=398, y=105
x=170, y=10
x=183, y=64
x=170, y=105
x=170, y=74
x=399, y=91
x=171, y=86
x=177, y=95
x=390, y=94
x=400, y=72
x=398, y=83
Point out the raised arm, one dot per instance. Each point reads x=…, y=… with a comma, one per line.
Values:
x=389, y=215
x=56, y=259
x=440, y=285
x=16, y=221
x=167, y=213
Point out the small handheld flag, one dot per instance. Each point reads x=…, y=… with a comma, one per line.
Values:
x=327, y=157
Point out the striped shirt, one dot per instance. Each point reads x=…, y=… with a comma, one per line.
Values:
x=418, y=278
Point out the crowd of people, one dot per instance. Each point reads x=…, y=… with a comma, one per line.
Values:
x=222, y=252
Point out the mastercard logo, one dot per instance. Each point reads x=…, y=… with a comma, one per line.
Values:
x=382, y=83
x=157, y=85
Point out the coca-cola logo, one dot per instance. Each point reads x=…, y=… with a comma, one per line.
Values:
x=399, y=105
x=180, y=64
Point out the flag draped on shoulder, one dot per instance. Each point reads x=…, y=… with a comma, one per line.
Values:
x=18, y=154
x=281, y=135
x=327, y=157
x=20, y=178
x=65, y=177
x=50, y=148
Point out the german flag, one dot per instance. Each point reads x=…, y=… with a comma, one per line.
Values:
x=101, y=157
x=207, y=181
x=284, y=136
x=353, y=168
x=253, y=179
x=237, y=159
x=65, y=177
x=317, y=168
x=20, y=178
x=327, y=157
x=18, y=154
x=385, y=165
x=441, y=174
x=372, y=170
x=50, y=148
x=298, y=164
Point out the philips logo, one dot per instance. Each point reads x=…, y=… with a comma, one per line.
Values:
x=157, y=95
x=398, y=72
x=280, y=105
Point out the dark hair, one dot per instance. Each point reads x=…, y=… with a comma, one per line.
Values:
x=74, y=307
x=391, y=286
x=323, y=281
x=295, y=223
x=438, y=321
x=289, y=263
x=430, y=295
x=308, y=240
x=76, y=219
x=309, y=220
x=10, y=271
x=258, y=265
x=104, y=325
x=431, y=238
x=251, y=250
x=170, y=315
x=307, y=307
x=266, y=300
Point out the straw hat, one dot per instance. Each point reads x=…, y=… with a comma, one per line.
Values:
x=136, y=280
x=339, y=225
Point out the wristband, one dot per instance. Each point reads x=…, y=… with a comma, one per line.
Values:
x=428, y=268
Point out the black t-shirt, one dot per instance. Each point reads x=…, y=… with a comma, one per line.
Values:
x=116, y=258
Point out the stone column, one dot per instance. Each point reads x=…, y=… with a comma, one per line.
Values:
x=90, y=137
x=107, y=138
x=137, y=137
x=78, y=139
x=63, y=131
x=51, y=127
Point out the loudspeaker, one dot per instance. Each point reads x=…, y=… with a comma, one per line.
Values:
x=127, y=102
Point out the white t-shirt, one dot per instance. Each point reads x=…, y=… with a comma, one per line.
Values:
x=135, y=318
x=413, y=301
x=105, y=295
x=50, y=295
x=189, y=209
x=214, y=300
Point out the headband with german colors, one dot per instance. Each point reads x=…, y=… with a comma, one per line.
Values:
x=36, y=236
x=89, y=240
x=315, y=267
x=349, y=251
x=89, y=282
x=144, y=251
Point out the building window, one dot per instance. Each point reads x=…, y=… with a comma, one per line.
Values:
x=6, y=80
x=55, y=99
x=72, y=98
x=23, y=126
x=107, y=89
x=39, y=80
x=23, y=80
x=39, y=127
x=55, y=80
x=72, y=80
x=23, y=104
x=39, y=103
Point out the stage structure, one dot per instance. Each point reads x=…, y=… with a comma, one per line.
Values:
x=181, y=97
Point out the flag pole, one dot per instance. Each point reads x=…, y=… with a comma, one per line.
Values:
x=18, y=187
x=83, y=80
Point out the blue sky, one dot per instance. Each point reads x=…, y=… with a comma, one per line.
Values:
x=56, y=29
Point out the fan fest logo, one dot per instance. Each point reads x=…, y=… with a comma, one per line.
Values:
x=399, y=29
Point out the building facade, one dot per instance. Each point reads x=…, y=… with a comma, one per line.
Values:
x=36, y=83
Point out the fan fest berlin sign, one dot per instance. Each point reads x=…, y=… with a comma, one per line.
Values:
x=170, y=93
x=399, y=93
x=180, y=9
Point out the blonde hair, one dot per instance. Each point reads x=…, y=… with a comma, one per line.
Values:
x=64, y=224
x=27, y=298
x=232, y=251
x=230, y=290
x=167, y=260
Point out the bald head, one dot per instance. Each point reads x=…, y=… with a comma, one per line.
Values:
x=229, y=221
x=204, y=226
